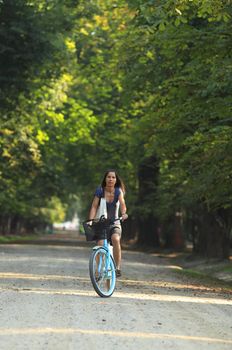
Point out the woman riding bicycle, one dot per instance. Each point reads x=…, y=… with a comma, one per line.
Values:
x=112, y=189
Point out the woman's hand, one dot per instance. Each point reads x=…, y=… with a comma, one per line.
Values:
x=124, y=216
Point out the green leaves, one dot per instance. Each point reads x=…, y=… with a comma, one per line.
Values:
x=182, y=95
x=89, y=86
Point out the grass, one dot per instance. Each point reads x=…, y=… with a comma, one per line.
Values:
x=206, y=279
x=16, y=238
x=215, y=275
x=228, y=269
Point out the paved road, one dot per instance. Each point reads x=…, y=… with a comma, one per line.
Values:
x=47, y=302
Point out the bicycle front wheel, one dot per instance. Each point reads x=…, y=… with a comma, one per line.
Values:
x=102, y=272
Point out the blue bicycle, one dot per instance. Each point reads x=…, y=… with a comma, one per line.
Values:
x=102, y=267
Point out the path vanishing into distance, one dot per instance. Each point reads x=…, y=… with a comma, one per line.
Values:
x=47, y=302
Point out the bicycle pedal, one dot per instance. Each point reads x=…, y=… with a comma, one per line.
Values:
x=98, y=278
x=118, y=273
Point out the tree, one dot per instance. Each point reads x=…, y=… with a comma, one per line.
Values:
x=186, y=103
x=30, y=41
x=141, y=86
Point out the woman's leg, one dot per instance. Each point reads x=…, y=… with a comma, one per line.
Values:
x=100, y=242
x=115, y=239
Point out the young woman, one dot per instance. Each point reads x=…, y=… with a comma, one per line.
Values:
x=112, y=189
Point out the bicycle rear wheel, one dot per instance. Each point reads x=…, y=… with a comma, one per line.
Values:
x=102, y=278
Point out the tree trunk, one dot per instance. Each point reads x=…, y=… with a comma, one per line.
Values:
x=148, y=231
x=178, y=237
x=130, y=229
x=173, y=232
x=214, y=235
x=148, y=228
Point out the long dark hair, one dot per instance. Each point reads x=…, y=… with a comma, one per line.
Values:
x=119, y=182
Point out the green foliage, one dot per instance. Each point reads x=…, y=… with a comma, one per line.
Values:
x=55, y=211
x=184, y=94
x=32, y=36
x=94, y=85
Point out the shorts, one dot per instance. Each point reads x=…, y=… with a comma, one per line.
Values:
x=114, y=229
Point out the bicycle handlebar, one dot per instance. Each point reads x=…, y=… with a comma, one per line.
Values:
x=104, y=219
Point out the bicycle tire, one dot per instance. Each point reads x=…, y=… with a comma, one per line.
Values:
x=104, y=282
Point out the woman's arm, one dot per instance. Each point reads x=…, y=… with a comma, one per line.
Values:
x=94, y=207
x=123, y=208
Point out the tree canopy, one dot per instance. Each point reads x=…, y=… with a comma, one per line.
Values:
x=140, y=86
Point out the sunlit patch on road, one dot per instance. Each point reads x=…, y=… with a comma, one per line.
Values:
x=13, y=275
x=126, y=296
x=110, y=333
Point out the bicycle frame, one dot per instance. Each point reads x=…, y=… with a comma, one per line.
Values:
x=106, y=246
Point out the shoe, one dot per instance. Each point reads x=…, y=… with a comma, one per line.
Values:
x=118, y=273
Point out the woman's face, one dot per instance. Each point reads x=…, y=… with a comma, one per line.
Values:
x=111, y=179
